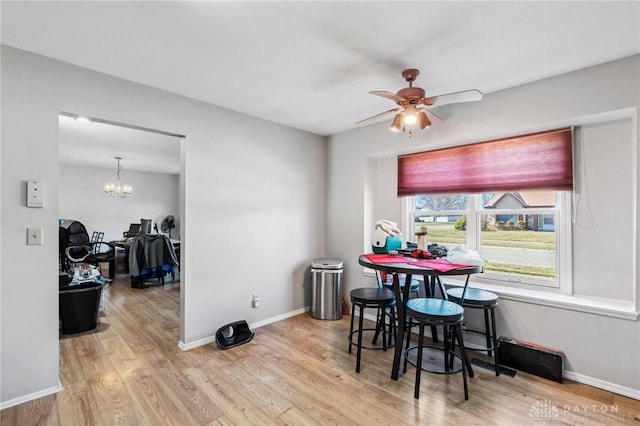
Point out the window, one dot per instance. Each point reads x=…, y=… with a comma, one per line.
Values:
x=521, y=235
x=509, y=199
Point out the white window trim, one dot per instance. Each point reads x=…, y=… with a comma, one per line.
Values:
x=563, y=266
x=621, y=309
x=564, y=259
x=561, y=298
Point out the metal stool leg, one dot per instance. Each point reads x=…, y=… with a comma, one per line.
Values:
x=353, y=312
x=487, y=331
x=416, y=392
x=495, y=342
x=408, y=332
x=391, y=337
x=463, y=353
x=359, y=351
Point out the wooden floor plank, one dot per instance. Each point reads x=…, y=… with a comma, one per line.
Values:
x=130, y=371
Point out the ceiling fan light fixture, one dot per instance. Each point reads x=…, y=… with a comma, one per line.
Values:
x=410, y=119
x=396, y=124
x=412, y=101
x=423, y=120
x=409, y=114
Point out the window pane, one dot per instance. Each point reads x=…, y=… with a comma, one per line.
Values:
x=519, y=200
x=442, y=202
x=443, y=216
x=515, y=232
x=519, y=246
x=445, y=230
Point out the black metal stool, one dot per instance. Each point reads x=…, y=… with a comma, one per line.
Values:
x=438, y=312
x=487, y=301
x=390, y=311
x=378, y=298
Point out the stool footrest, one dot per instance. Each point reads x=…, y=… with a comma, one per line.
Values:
x=429, y=367
x=482, y=348
x=383, y=334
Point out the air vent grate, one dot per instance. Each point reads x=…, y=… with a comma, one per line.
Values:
x=491, y=367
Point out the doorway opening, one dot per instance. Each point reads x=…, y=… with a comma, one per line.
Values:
x=149, y=161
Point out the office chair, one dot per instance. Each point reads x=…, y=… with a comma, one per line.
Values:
x=76, y=247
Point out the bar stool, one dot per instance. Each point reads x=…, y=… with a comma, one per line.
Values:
x=385, y=280
x=438, y=312
x=369, y=297
x=487, y=301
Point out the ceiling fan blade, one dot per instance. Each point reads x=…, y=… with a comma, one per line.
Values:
x=378, y=115
x=434, y=119
x=454, y=98
x=388, y=95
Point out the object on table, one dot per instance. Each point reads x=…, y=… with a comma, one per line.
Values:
x=462, y=255
x=386, y=236
x=423, y=238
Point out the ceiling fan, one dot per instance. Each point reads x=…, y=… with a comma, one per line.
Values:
x=412, y=103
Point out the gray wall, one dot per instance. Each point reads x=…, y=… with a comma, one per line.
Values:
x=81, y=197
x=596, y=326
x=247, y=184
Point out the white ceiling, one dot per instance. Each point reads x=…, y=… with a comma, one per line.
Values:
x=310, y=65
x=97, y=144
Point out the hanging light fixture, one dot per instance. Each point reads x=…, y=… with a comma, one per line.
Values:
x=407, y=117
x=117, y=190
x=409, y=114
x=397, y=123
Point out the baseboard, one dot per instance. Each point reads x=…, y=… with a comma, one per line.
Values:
x=602, y=384
x=196, y=343
x=31, y=396
x=279, y=317
x=211, y=339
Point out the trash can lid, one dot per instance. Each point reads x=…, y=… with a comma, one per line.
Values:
x=326, y=263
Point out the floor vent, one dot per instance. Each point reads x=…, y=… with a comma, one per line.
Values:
x=491, y=367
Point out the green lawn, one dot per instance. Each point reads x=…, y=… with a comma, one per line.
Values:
x=447, y=234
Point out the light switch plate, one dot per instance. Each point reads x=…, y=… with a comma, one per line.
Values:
x=35, y=193
x=34, y=237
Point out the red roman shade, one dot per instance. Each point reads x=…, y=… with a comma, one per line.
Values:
x=538, y=161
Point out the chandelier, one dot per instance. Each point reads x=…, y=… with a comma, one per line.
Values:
x=117, y=190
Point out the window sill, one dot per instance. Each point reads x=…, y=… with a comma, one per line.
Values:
x=594, y=305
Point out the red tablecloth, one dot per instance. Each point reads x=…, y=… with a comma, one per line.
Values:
x=442, y=265
x=385, y=258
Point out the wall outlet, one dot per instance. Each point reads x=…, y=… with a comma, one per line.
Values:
x=255, y=301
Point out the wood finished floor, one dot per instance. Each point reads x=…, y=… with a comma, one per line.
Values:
x=129, y=371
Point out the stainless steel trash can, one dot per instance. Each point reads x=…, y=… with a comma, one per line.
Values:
x=326, y=289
